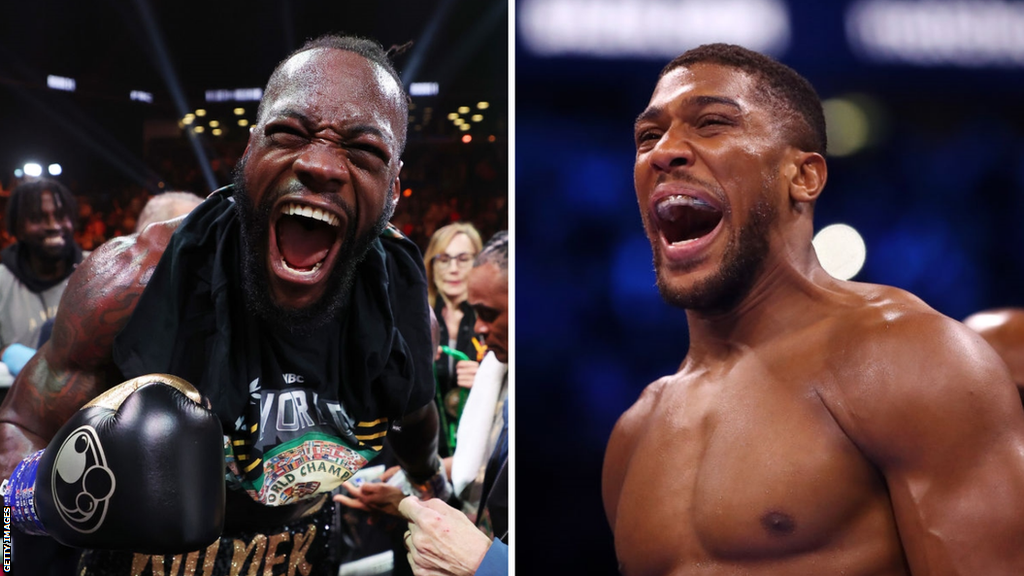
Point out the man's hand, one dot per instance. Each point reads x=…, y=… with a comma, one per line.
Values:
x=373, y=496
x=441, y=540
x=465, y=371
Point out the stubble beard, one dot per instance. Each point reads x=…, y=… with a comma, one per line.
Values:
x=255, y=231
x=741, y=265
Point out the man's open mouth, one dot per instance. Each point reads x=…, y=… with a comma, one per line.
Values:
x=305, y=236
x=683, y=218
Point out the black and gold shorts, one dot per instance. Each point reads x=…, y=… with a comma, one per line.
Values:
x=303, y=547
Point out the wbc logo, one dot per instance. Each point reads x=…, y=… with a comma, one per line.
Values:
x=82, y=484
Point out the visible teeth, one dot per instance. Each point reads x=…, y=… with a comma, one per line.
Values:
x=665, y=205
x=309, y=212
x=310, y=271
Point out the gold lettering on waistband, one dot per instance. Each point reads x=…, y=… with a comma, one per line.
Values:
x=190, y=564
x=175, y=564
x=297, y=559
x=273, y=557
x=259, y=542
x=140, y=561
x=210, y=557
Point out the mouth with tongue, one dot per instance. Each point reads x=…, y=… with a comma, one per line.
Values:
x=305, y=237
x=683, y=219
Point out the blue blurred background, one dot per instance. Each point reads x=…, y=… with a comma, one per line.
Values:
x=925, y=99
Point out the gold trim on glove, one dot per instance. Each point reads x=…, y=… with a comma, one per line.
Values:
x=112, y=399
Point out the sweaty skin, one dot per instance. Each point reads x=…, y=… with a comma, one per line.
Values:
x=815, y=426
x=328, y=138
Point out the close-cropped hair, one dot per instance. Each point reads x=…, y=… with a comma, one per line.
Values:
x=495, y=252
x=167, y=205
x=779, y=85
x=26, y=201
x=365, y=47
x=439, y=241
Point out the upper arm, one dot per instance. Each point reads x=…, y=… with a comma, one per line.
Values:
x=937, y=413
x=75, y=364
x=620, y=447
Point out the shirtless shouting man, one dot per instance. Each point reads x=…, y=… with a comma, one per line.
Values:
x=816, y=426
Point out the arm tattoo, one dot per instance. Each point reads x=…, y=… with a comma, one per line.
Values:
x=77, y=363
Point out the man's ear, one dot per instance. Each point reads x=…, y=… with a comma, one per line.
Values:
x=396, y=186
x=807, y=175
x=248, y=142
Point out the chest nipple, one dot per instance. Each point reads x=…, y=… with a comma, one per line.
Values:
x=778, y=524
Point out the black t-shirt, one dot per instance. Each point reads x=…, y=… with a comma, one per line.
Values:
x=301, y=414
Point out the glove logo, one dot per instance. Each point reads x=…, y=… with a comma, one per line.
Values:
x=82, y=484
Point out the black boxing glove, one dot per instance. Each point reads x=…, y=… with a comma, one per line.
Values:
x=139, y=468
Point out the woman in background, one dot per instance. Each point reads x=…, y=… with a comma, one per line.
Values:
x=448, y=260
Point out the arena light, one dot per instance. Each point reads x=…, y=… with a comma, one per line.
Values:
x=55, y=169
x=235, y=95
x=140, y=96
x=841, y=250
x=970, y=34
x=33, y=169
x=214, y=123
x=650, y=28
x=467, y=138
x=161, y=61
x=200, y=112
x=483, y=105
x=60, y=83
x=463, y=109
x=239, y=111
x=424, y=89
x=18, y=172
x=847, y=126
x=243, y=122
x=477, y=117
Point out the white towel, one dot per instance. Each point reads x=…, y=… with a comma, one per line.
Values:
x=472, y=450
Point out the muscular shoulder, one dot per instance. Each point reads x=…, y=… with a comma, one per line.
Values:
x=638, y=414
x=898, y=363
x=101, y=295
x=623, y=441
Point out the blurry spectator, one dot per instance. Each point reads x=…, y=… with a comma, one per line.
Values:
x=33, y=275
x=167, y=206
x=442, y=540
x=36, y=268
x=448, y=260
x=483, y=424
x=94, y=231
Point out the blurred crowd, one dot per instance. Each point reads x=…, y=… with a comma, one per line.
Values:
x=442, y=182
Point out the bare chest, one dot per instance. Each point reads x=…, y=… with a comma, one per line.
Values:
x=747, y=467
